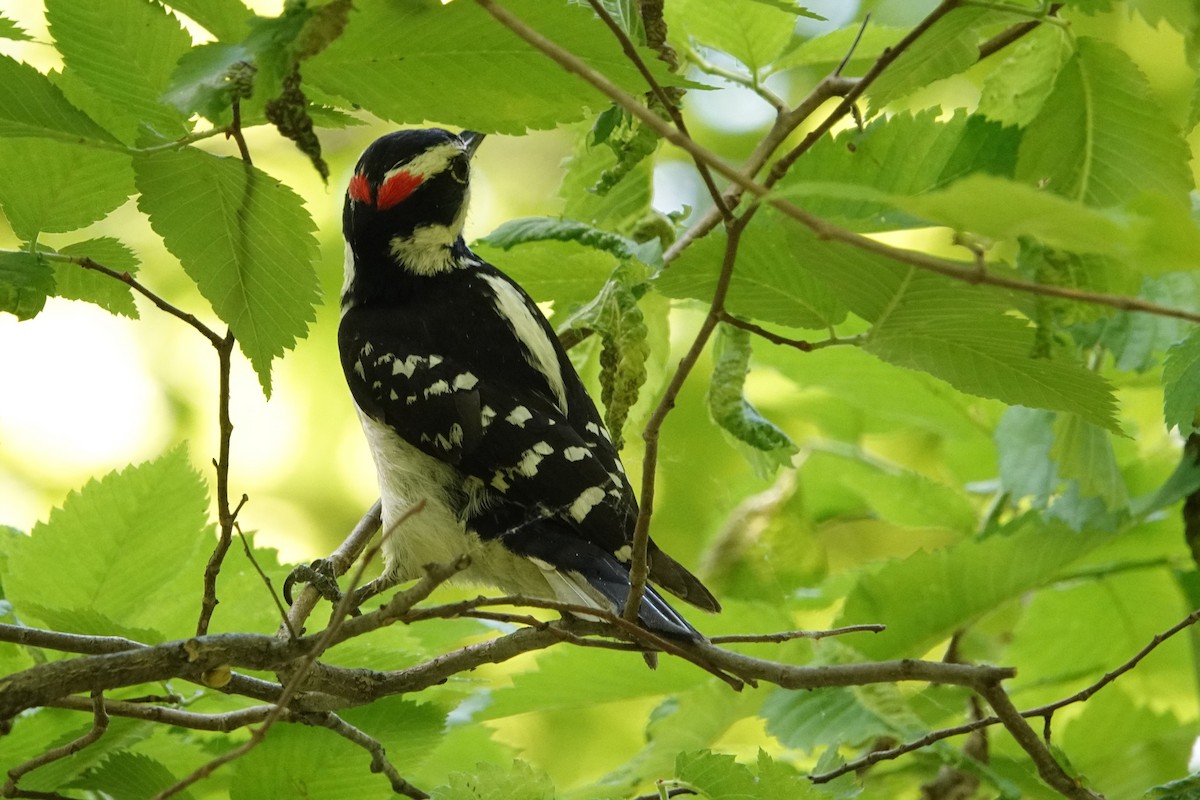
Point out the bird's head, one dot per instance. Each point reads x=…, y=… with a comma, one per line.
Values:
x=407, y=201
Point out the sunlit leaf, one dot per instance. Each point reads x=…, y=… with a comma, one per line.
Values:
x=728, y=405
x=943, y=591
x=950, y=46
x=1015, y=91
x=245, y=238
x=124, y=50
x=770, y=279
x=13, y=31
x=50, y=186
x=420, y=46
x=495, y=782
x=76, y=283
x=25, y=281
x=1084, y=454
x=31, y=105
x=105, y=550
x=753, y=33
x=1101, y=137
x=1181, y=385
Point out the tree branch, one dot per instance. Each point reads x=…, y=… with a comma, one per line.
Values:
x=99, y=726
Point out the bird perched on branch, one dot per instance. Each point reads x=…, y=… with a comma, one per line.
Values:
x=469, y=402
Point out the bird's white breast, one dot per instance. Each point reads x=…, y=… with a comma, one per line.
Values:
x=435, y=535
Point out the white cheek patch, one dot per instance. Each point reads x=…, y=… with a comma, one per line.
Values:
x=428, y=250
x=540, y=351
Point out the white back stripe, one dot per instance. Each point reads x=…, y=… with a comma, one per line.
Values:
x=541, y=353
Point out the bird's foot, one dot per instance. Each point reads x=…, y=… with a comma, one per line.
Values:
x=319, y=575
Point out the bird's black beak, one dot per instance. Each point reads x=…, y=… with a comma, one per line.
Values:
x=472, y=140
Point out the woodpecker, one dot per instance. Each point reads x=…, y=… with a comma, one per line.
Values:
x=469, y=402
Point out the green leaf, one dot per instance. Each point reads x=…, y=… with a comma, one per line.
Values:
x=202, y=82
x=963, y=336
x=721, y=777
x=243, y=237
x=129, y=775
x=828, y=49
x=611, y=677
x=76, y=283
x=621, y=208
x=754, y=34
x=1183, y=789
x=224, y=19
x=311, y=762
x=1085, y=455
x=1024, y=438
x=905, y=497
x=1181, y=385
x=25, y=281
x=927, y=596
x=769, y=282
x=1003, y=209
x=990, y=357
x=50, y=186
x=12, y=31
x=717, y=775
x=922, y=153
x=31, y=105
x=728, y=405
x=949, y=47
x=689, y=720
x=563, y=273
x=36, y=733
x=502, y=85
x=1101, y=137
x=614, y=314
x=1125, y=745
x=1139, y=340
x=123, y=551
x=808, y=720
x=124, y=51
x=495, y=782
x=1016, y=90
x=540, y=229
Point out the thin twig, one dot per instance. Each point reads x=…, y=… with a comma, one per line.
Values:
x=822, y=228
x=787, y=636
x=885, y=60
x=379, y=759
x=99, y=726
x=1011, y=35
x=264, y=577
x=140, y=288
x=1048, y=767
x=1044, y=711
x=234, y=131
x=664, y=99
x=225, y=516
x=295, y=680
x=639, y=569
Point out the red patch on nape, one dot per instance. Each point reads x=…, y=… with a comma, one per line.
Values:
x=359, y=189
x=397, y=188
